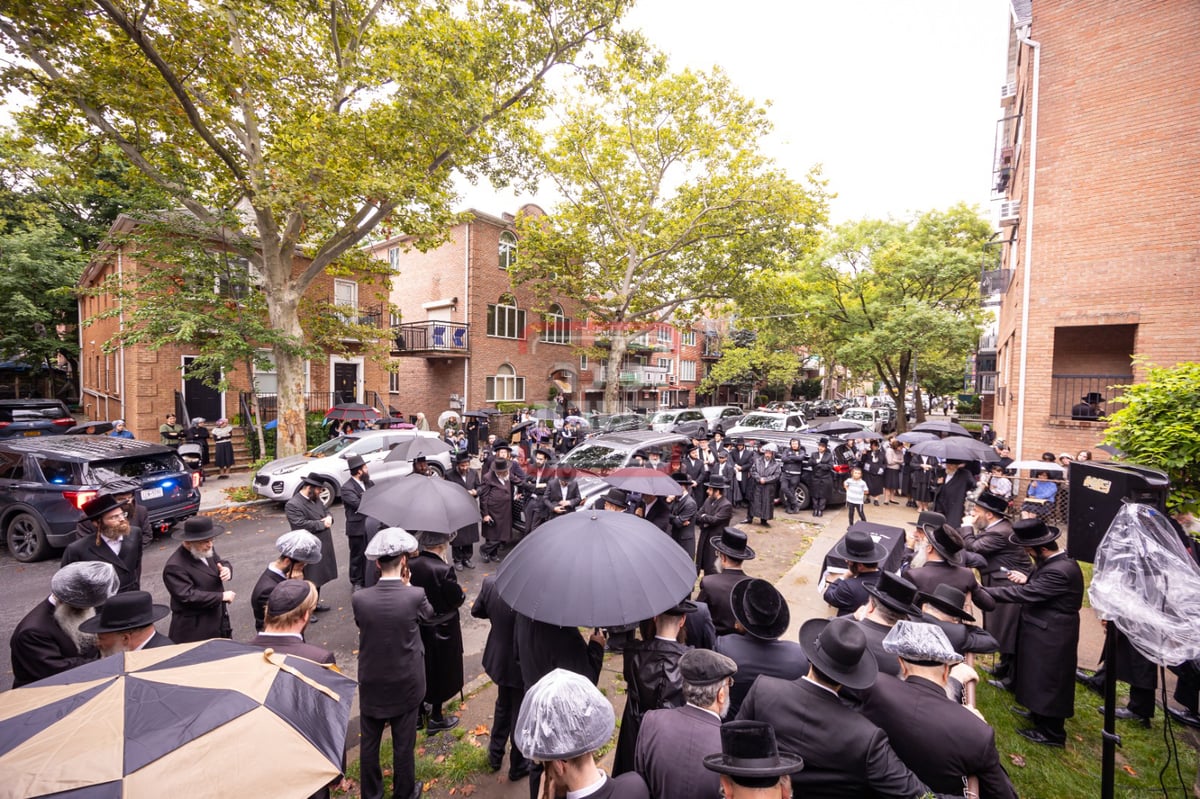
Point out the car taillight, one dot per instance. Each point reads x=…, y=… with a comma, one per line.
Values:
x=79, y=498
x=196, y=478
x=4, y=425
x=66, y=421
x=841, y=468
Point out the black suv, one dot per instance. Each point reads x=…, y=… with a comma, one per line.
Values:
x=45, y=481
x=30, y=418
x=841, y=461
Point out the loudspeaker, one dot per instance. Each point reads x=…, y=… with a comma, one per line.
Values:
x=1097, y=491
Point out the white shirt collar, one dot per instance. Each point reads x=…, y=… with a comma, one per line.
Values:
x=706, y=710
x=115, y=546
x=808, y=679
x=590, y=789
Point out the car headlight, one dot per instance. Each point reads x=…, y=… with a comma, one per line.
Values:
x=286, y=470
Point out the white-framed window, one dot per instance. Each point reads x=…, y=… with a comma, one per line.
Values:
x=266, y=380
x=664, y=334
x=505, y=319
x=236, y=277
x=394, y=259
x=393, y=319
x=687, y=370
x=583, y=363
x=393, y=382
x=688, y=338
x=666, y=363
x=505, y=385
x=508, y=250
x=556, y=327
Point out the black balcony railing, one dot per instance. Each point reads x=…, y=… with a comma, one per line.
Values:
x=442, y=338
x=1087, y=398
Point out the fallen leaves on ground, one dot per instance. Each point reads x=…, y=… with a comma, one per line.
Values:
x=1129, y=770
x=467, y=789
x=481, y=730
x=1017, y=760
x=440, y=759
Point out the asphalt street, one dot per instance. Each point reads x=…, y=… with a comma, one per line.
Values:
x=249, y=544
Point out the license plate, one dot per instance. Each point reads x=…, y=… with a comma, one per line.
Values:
x=33, y=432
x=151, y=493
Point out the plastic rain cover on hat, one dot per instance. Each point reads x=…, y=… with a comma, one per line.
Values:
x=916, y=642
x=299, y=545
x=1146, y=583
x=85, y=584
x=391, y=541
x=563, y=716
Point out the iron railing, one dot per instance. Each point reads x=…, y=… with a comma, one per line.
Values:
x=413, y=338
x=1085, y=397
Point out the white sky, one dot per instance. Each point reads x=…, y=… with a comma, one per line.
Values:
x=897, y=99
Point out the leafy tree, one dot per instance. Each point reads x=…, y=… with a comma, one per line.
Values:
x=1159, y=426
x=752, y=369
x=320, y=123
x=667, y=204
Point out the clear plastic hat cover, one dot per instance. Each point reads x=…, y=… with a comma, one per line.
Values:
x=85, y=583
x=1148, y=585
x=563, y=716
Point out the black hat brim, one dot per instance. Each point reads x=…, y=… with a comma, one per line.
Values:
x=768, y=633
x=878, y=554
x=93, y=625
x=784, y=763
x=944, y=606
x=861, y=677
x=1036, y=542
x=953, y=558
x=890, y=602
x=745, y=554
x=182, y=534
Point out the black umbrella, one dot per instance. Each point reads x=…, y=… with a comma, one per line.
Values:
x=410, y=448
x=418, y=502
x=941, y=426
x=352, y=412
x=1111, y=450
x=835, y=428
x=956, y=448
x=482, y=412
x=516, y=428
x=595, y=569
x=643, y=481
x=916, y=437
x=862, y=434
x=90, y=429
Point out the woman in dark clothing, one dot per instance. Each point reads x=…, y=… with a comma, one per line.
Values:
x=441, y=635
x=874, y=463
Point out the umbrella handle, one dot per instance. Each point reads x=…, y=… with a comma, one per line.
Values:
x=278, y=662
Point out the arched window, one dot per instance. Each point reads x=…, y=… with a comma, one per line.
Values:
x=556, y=326
x=505, y=385
x=505, y=319
x=508, y=250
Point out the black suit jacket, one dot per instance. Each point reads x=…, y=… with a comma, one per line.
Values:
x=754, y=657
x=196, y=591
x=940, y=740
x=626, y=786
x=951, y=497
x=845, y=754
x=40, y=649
x=659, y=514
x=352, y=494
x=875, y=633
x=542, y=648
x=671, y=748
x=157, y=640
x=471, y=481
x=556, y=492
x=128, y=562
x=309, y=514
x=391, y=657
x=261, y=593
x=850, y=593
x=499, y=655
x=715, y=590
x=936, y=572
x=293, y=645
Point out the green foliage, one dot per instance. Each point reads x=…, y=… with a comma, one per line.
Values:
x=755, y=367
x=1159, y=426
x=809, y=389
x=317, y=434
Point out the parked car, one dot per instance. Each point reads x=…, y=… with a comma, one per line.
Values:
x=763, y=420
x=44, y=483
x=887, y=415
x=866, y=418
x=280, y=478
x=842, y=456
x=602, y=454
x=687, y=421
x=621, y=422
x=29, y=418
x=722, y=417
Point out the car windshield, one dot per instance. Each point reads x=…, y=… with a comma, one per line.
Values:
x=664, y=417
x=597, y=458
x=143, y=466
x=763, y=421
x=331, y=447
x=857, y=415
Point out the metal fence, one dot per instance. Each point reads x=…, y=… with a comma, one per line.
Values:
x=1069, y=392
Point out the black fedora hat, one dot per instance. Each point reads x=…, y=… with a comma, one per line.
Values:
x=928, y=521
x=1032, y=533
x=616, y=496
x=895, y=593
x=1093, y=397
x=992, y=502
x=462, y=457
x=682, y=479
x=857, y=546
x=759, y=608
x=838, y=649
x=198, y=528
x=310, y=480
x=717, y=481
x=130, y=610
x=99, y=505
x=732, y=542
x=684, y=607
x=948, y=543
x=501, y=445
x=748, y=749
x=948, y=600
x=355, y=462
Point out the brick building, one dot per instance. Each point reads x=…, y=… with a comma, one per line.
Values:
x=140, y=384
x=1097, y=262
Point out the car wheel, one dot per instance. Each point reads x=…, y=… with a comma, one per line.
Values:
x=327, y=494
x=803, y=495
x=436, y=468
x=26, y=538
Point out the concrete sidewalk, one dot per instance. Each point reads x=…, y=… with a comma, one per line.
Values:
x=213, y=496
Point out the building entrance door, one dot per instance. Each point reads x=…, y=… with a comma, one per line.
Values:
x=345, y=382
x=198, y=398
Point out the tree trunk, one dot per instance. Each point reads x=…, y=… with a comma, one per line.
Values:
x=612, y=384
x=918, y=404
x=291, y=433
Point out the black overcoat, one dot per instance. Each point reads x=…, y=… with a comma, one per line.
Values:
x=352, y=494
x=197, y=610
x=308, y=514
x=671, y=748
x=756, y=656
x=652, y=682
x=762, y=498
x=995, y=547
x=499, y=654
x=128, y=562
x=40, y=648
x=711, y=520
x=715, y=590
x=467, y=534
x=261, y=593
x=391, y=657
x=442, y=635
x=496, y=500
x=951, y=497
x=542, y=648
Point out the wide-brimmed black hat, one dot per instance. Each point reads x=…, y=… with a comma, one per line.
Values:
x=748, y=749
x=895, y=593
x=616, y=496
x=355, y=462
x=547, y=454
x=992, y=502
x=838, y=649
x=99, y=505
x=948, y=543
x=1033, y=533
x=732, y=542
x=462, y=457
x=310, y=480
x=759, y=608
x=682, y=479
x=928, y=521
x=499, y=445
x=130, y=610
x=198, y=528
x=1093, y=397
x=857, y=546
x=717, y=481
x=738, y=441
x=948, y=600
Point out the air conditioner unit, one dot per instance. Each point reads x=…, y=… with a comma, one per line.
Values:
x=672, y=380
x=1008, y=93
x=1010, y=212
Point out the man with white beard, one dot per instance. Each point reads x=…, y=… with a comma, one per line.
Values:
x=672, y=743
x=194, y=576
x=126, y=624
x=48, y=640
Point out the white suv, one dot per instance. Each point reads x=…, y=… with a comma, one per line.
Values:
x=866, y=418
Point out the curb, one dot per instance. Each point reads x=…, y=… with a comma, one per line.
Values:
x=228, y=505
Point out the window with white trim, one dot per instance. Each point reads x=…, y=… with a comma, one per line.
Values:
x=505, y=319
x=266, y=379
x=508, y=250
x=664, y=334
x=666, y=363
x=505, y=385
x=394, y=259
x=393, y=382
x=556, y=327
x=688, y=338
x=687, y=370
x=583, y=363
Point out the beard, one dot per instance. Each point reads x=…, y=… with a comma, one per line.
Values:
x=723, y=710
x=115, y=530
x=920, y=558
x=202, y=553
x=720, y=567
x=69, y=618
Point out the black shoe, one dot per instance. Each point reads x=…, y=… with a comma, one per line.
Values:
x=748, y=520
x=1039, y=737
x=877, y=503
x=1089, y=681
x=441, y=725
x=322, y=608
x=467, y=564
x=1127, y=715
x=1021, y=712
x=458, y=566
x=486, y=558
x=1187, y=717
x=518, y=774
x=493, y=765
x=312, y=619
x=1003, y=685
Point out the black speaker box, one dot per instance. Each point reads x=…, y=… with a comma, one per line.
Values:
x=1098, y=489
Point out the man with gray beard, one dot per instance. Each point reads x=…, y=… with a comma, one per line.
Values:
x=194, y=576
x=48, y=640
x=672, y=742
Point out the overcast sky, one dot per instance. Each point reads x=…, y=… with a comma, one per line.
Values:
x=897, y=99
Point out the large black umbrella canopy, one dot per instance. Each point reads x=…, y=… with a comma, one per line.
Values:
x=835, y=428
x=516, y=428
x=595, y=569
x=410, y=448
x=418, y=502
x=192, y=720
x=482, y=413
x=643, y=481
x=915, y=437
x=863, y=435
x=352, y=412
x=956, y=448
x=942, y=426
